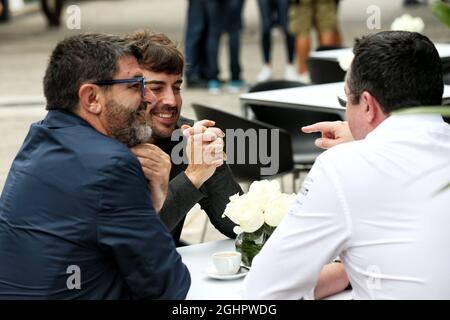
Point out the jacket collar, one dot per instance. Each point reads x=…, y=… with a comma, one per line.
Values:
x=63, y=119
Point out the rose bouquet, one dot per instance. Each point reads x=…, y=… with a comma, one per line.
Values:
x=257, y=213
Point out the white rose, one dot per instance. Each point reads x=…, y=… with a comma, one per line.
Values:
x=408, y=23
x=264, y=192
x=275, y=213
x=244, y=212
x=251, y=220
x=232, y=210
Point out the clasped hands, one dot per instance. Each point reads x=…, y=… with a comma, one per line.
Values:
x=204, y=153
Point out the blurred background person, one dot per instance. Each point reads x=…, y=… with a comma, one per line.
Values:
x=305, y=14
x=216, y=20
x=4, y=10
x=195, y=44
x=224, y=16
x=233, y=27
x=52, y=10
x=275, y=12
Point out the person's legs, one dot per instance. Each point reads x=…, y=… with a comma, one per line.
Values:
x=266, y=26
x=53, y=14
x=282, y=11
x=215, y=9
x=234, y=48
x=327, y=38
x=326, y=22
x=337, y=36
x=265, y=9
x=195, y=40
x=233, y=25
x=202, y=52
x=303, y=46
x=301, y=20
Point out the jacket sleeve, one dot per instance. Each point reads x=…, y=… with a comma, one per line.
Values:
x=130, y=230
x=213, y=196
x=218, y=190
x=181, y=197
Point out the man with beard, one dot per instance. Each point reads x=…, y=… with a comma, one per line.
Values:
x=76, y=218
x=209, y=184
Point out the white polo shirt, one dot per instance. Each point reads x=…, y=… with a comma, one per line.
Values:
x=375, y=203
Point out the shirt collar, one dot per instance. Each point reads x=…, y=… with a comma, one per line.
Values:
x=404, y=125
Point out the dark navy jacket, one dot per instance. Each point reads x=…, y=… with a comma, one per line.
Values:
x=75, y=198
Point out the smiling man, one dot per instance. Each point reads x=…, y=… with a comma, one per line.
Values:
x=209, y=184
x=76, y=218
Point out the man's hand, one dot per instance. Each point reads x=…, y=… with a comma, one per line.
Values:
x=204, y=123
x=204, y=151
x=332, y=279
x=156, y=166
x=333, y=133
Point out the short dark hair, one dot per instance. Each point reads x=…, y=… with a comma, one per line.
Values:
x=82, y=59
x=159, y=52
x=399, y=68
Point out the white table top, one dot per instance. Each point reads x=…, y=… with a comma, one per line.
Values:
x=442, y=48
x=307, y=97
x=322, y=95
x=198, y=259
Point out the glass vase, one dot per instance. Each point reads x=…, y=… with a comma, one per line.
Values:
x=249, y=244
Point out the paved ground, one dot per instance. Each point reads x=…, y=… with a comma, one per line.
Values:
x=25, y=44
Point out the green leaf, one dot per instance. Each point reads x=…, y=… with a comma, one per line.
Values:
x=442, y=12
x=444, y=188
x=442, y=110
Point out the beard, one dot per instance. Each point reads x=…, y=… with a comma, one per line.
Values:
x=128, y=126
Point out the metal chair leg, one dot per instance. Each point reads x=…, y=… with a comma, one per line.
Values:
x=282, y=183
x=205, y=227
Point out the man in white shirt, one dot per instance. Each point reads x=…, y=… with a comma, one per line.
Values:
x=378, y=203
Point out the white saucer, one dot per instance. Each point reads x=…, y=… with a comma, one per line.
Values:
x=213, y=274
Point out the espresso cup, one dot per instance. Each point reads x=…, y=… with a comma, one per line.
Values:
x=227, y=262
